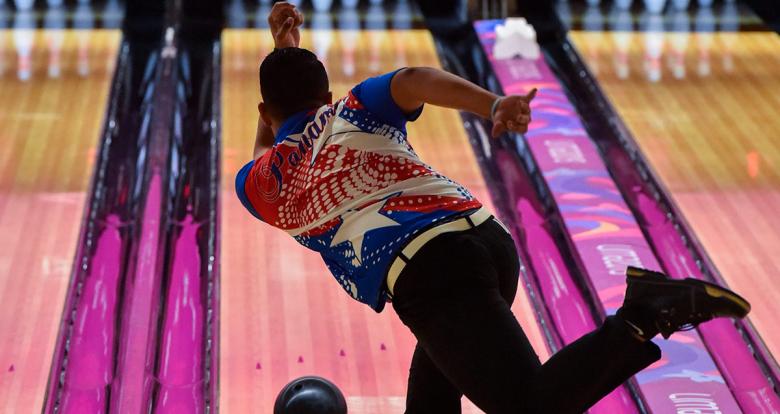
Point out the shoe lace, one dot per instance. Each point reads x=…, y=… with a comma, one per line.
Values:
x=668, y=325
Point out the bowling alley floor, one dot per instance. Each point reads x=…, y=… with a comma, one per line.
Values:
x=54, y=86
x=700, y=98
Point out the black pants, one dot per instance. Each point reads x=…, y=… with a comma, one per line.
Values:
x=455, y=296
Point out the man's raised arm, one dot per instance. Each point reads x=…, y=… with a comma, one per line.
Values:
x=284, y=20
x=412, y=87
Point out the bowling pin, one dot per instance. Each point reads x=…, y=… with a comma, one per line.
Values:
x=402, y=15
x=655, y=6
x=236, y=14
x=83, y=22
x=680, y=4
x=261, y=16
x=349, y=33
x=3, y=33
x=24, y=43
x=653, y=38
x=621, y=34
x=705, y=28
x=24, y=5
x=564, y=12
x=54, y=22
x=729, y=26
x=678, y=41
x=322, y=33
x=112, y=14
x=375, y=23
x=593, y=22
x=54, y=3
x=402, y=22
x=623, y=4
x=349, y=4
x=322, y=5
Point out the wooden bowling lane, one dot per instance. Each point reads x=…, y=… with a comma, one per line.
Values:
x=49, y=127
x=282, y=314
x=710, y=128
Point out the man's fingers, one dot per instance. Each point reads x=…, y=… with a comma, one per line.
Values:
x=498, y=128
x=524, y=107
x=280, y=12
x=298, y=18
x=285, y=28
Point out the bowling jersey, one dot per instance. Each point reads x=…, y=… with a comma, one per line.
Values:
x=344, y=181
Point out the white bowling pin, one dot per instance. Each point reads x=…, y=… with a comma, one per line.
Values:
x=84, y=20
x=622, y=28
x=729, y=25
x=402, y=15
x=24, y=5
x=54, y=21
x=680, y=4
x=564, y=12
x=678, y=41
x=112, y=14
x=24, y=43
x=322, y=33
x=705, y=26
x=653, y=37
x=261, y=16
x=593, y=21
x=655, y=6
x=375, y=23
x=349, y=4
x=3, y=34
x=322, y=5
x=236, y=14
x=349, y=32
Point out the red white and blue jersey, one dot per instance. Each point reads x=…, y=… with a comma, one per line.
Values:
x=344, y=182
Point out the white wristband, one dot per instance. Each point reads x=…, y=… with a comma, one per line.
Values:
x=494, y=107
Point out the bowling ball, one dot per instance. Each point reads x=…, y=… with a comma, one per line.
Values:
x=310, y=395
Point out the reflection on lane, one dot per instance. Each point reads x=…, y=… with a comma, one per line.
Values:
x=50, y=118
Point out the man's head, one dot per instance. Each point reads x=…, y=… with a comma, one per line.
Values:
x=291, y=80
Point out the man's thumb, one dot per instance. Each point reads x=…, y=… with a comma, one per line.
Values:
x=530, y=95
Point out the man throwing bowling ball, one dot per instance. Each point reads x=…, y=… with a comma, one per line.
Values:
x=341, y=177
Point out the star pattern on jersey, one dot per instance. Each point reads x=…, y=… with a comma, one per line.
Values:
x=369, y=218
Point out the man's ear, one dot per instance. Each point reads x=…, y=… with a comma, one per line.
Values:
x=264, y=114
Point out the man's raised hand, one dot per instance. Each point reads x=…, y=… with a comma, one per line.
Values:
x=284, y=21
x=513, y=113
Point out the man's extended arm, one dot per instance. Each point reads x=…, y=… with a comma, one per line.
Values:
x=283, y=21
x=412, y=87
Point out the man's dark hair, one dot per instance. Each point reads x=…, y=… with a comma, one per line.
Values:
x=291, y=80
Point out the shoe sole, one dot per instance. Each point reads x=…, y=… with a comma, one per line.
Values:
x=710, y=289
